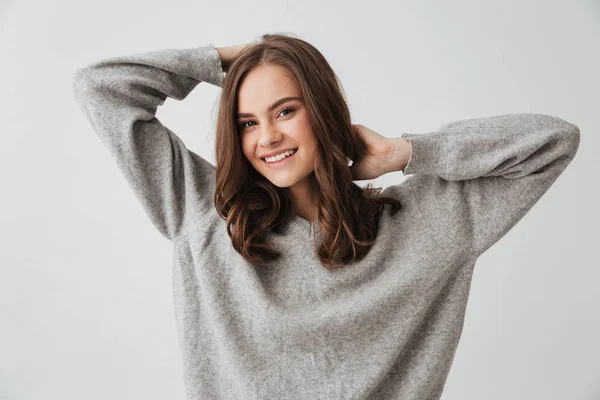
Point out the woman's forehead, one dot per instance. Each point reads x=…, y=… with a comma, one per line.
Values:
x=263, y=86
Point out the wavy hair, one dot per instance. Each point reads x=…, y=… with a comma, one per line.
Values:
x=348, y=214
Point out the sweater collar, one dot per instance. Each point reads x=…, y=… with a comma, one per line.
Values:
x=299, y=224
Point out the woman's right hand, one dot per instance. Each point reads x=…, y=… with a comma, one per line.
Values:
x=228, y=54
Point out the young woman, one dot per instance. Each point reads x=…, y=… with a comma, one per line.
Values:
x=290, y=281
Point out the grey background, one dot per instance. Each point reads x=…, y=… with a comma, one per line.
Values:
x=85, y=280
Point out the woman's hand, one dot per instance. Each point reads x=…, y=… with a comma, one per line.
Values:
x=228, y=54
x=383, y=155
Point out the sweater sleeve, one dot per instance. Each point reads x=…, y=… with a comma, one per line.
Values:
x=474, y=179
x=120, y=96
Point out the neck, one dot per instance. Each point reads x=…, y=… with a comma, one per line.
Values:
x=302, y=202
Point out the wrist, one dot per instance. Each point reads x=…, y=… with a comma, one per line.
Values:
x=224, y=55
x=228, y=54
x=399, y=155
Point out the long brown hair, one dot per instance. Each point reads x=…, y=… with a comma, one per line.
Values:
x=252, y=205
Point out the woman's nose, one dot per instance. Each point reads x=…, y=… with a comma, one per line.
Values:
x=269, y=135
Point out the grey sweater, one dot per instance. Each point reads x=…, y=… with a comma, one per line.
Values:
x=386, y=327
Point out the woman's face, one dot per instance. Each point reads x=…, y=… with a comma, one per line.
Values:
x=267, y=125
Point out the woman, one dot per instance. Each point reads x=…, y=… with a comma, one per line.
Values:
x=373, y=306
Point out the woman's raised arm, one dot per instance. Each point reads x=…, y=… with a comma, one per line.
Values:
x=475, y=179
x=120, y=96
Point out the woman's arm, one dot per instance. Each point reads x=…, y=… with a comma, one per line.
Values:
x=475, y=179
x=120, y=96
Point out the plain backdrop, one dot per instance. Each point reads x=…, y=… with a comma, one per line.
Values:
x=85, y=280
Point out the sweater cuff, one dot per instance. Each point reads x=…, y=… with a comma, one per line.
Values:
x=424, y=154
x=405, y=136
x=216, y=74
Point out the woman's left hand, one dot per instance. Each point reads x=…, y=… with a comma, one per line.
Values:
x=376, y=159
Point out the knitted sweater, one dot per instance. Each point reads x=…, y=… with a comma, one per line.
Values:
x=385, y=327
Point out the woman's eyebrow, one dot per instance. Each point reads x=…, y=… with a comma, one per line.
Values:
x=274, y=105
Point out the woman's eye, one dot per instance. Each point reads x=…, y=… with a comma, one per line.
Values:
x=286, y=109
x=243, y=124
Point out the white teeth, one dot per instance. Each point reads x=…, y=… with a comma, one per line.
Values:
x=281, y=156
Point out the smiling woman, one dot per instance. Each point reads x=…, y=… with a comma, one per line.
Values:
x=384, y=326
x=284, y=137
